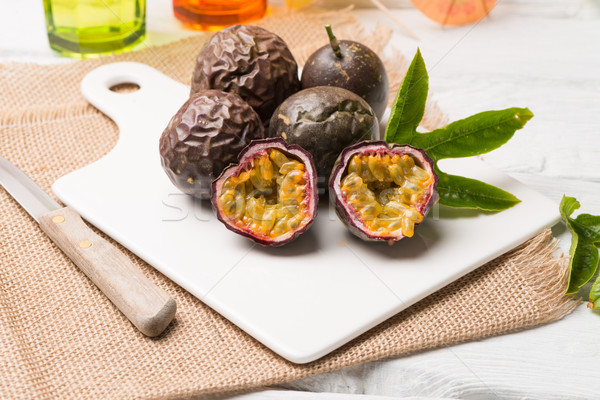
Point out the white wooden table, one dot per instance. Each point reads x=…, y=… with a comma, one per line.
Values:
x=543, y=54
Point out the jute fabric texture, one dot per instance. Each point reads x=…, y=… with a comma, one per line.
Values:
x=61, y=338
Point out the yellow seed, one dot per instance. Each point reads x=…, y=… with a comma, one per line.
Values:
x=408, y=161
x=295, y=222
x=365, y=172
x=374, y=163
x=287, y=211
x=289, y=166
x=230, y=183
x=352, y=182
x=240, y=205
x=293, y=194
x=228, y=203
x=257, y=181
x=268, y=219
x=266, y=169
x=394, y=208
x=244, y=176
x=411, y=188
x=300, y=194
x=404, y=164
x=394, y=224
x=413, y=215
x=254, y=208
x=408, y=227
x=361, y=198
x=419, y=173
x=281, y=227
x=396, y=174
x=278, y=158
x=371, y=210
x=296, y=177
x=355, y=165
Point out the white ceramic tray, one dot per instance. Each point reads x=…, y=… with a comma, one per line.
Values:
x=301, y=300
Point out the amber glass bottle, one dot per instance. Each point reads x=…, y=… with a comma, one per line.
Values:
x=211, y=15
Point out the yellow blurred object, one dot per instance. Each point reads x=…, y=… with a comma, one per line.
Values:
x=298, y=3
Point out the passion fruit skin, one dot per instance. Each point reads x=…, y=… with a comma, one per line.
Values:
x=248, y=154
x=324, y=120
x=250, y=61
x=359, y=70
x=347, y=215
x=204, y=136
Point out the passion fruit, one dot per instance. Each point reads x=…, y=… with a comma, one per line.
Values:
x=204, y=136
x=381, y=192
x=324, y=120
x=270, y=196
x=350, y=65
x=250, y=61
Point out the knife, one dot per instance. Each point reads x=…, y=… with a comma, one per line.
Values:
x=147, y=306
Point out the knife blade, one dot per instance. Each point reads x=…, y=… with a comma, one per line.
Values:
x=147, y=306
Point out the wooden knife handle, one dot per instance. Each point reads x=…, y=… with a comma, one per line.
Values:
x=148, y=307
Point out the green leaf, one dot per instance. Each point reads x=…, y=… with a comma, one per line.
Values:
x=461, y=192
x=588, y=226
x=477, y=134
x=584, y=263
x=568, y=205
x=595, y=295
x=471, y=136
x=585, y=239
x=409, y=104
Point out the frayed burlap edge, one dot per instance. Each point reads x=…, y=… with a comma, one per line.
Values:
x=538, y=268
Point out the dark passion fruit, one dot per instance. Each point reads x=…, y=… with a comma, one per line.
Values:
x=270, y=196
x=349, y=65
x=250, y=61
x=381, y=192
x=204, y=136
x=324, y=120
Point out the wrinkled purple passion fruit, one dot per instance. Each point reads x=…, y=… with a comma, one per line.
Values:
x=324, y=120
x=204, y=136
x=250, y=61
x=381, y=192
x=270, y=196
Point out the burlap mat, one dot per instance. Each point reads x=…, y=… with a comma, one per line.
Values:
x=61, y=338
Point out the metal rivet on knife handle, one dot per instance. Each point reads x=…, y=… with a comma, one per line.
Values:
x=59, y=219
x=84, y=244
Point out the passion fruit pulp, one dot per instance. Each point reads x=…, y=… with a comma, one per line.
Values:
x=383, y=192
x=270, y=195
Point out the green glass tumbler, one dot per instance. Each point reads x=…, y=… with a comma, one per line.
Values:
x=90, y=28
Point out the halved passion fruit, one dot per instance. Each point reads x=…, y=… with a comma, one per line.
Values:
x=382, y=191
x=270, y=196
